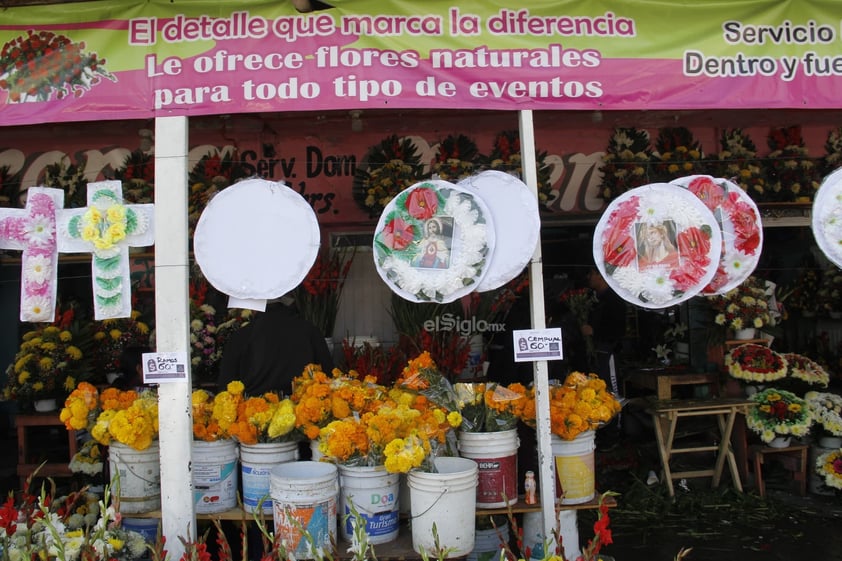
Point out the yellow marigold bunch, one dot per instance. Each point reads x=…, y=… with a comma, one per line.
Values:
x=80, y=407
x=134, y=425
x=205, y=427
x=263, y=419
x=320, y=398
x=344, y=440
x=404, y=454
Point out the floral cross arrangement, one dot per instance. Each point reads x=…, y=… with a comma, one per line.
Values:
x=826, y=410
x=790, y=174
x=778, y=413
x=677, y=153
x=49, y=362
x=746, y=306
x=738, y=162
x=755, y=363
x=38, y=64
x=625, y=162
x=387, y=169
x=320, y=293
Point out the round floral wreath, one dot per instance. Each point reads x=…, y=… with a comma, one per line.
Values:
x=829, y=466
x=755, y=363
x=697, y=242
x=399, y=242
x=827, y=217
x=778, y=413
x=742, y=235
x=826, y=409
x=806, y=369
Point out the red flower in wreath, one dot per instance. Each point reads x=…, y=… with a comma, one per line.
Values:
x=422, y=203
x=398, y=234
x=688, y=275
x=708, y=191
x=618, y=248
x=694, y=244
x=746, y=228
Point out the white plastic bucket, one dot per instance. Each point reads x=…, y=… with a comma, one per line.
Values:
x=447, y=499
x=574, y=468
x=256, y=461
x=140, y=477
x=214, y=474
x=374, y=493
x=489, y=543
x=533, y=534
x=496, y=456
x=568, y=531
x=304, y=497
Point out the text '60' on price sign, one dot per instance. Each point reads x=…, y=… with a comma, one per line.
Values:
x=162, y=368
x=538, y=344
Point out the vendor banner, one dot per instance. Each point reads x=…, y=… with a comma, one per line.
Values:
x=109, y=60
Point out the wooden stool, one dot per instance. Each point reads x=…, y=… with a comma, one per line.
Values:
x=793, y=458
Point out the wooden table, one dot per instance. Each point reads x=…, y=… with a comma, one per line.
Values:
x=793, y=457
x=27, y=447
x=666, y=414
x=663, y=381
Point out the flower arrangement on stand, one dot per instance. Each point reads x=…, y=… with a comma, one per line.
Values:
x=505, y=156
x=387, y=169
x=801, y=296
x=320, y=293
x=138, y=176
x=457, y=157
x=211, y=174
x=833, y=152
x=50, y=361
x=738, y=161
x=677, y=153
x=625, y=162
x=111, y=336
x=826, y=410
x=744, y=307
x=829, y=466
x=790, y=174
x=755, y=364
x=805, y=372
x=778, y=412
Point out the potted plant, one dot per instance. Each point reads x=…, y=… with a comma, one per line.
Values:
x=777, y=415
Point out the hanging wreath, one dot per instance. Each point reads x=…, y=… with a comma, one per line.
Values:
x=790, y=173
x=625, y=163
x=738, y=162
x=387, y=169
x=457, y=158
x=677, y=153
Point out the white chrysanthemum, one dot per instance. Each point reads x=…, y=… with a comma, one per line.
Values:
x=658, y=287
x=38, y=269
x=73, y=547
x=136, y=544
x=629, y=279
x=36, y=309
x=654, y=211
x=40, y=230
x=736, y=263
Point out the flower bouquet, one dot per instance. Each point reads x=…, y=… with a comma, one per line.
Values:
x=829, y=466
x=457, y=157
x=677, y=153
x=755, y=363
x=214, y=415
x=423, y=376
x=491, y=407
x=790, y=174
x=778, y=413
x=48, y=364
x=112, y=336
x=738, y=162
x=746, y=306
x=387, y=169
x=265, y=418
x=320, y=293
x=581, y=403
x=383, y=364
x=806, y=370
x=625, y=162
x=826, y=410
x=505, y=156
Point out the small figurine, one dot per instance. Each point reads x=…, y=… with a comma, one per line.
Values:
x=530, y=487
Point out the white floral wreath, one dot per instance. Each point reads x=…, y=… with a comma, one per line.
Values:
x=400, y=243
x=827, y=217
x=695, y=256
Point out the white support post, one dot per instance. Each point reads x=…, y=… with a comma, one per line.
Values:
x=172, y=330
x=540, y=373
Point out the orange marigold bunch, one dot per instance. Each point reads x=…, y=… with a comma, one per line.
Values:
x=81, y=407
x=580, y=404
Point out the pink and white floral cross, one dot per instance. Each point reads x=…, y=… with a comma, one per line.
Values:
x=33, y=230
x=107, y=228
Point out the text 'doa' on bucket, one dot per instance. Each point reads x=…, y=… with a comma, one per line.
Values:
x=374, y=493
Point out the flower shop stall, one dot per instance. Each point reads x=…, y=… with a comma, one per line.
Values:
x=353, y=57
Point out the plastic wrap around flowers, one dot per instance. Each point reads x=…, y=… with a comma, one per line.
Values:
x=433, y=241
x=827, y=217
x=755, y=363
x=657, y=245
x=740, y=225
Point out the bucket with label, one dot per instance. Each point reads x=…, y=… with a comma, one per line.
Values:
x=304, y=499
x=448, y=500
x=496, y=456
x=374, y=493
x=574, y=468
x=139, y=477
x=214, y=471
x=256, y=461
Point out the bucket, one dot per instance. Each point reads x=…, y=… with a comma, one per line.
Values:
x=574, y=468
x=146, y=527
x=214, y=472
x=374, y=494
x=304, y=496
x=533, y=534
x=496, y=456
x=489, y=543
x=256, y=461
x=140, y=477
x=447, y=499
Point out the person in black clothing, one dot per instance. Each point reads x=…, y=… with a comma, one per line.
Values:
x=607, y=326
x=268, y=353
x=131, y=368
